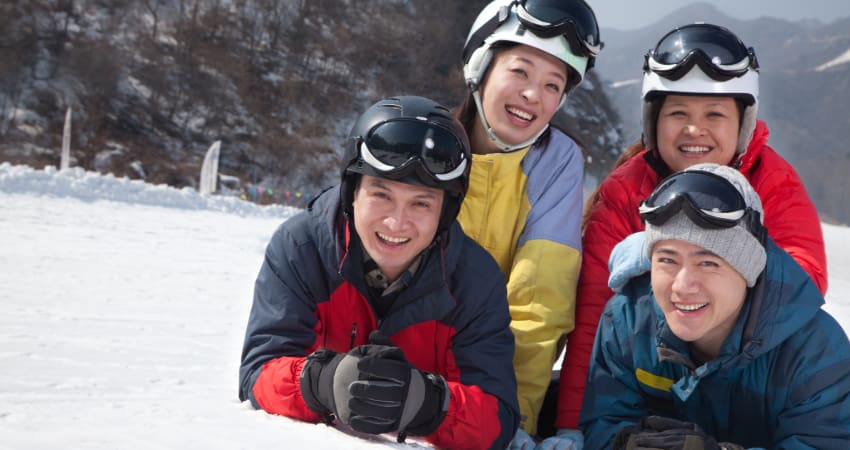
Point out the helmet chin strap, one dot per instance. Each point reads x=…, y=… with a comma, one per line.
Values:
x=504, y=146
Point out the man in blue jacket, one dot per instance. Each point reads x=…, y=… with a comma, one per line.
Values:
x=374, y=309
x=724, y=343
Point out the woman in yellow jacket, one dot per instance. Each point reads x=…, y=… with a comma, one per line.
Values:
x=524, y=203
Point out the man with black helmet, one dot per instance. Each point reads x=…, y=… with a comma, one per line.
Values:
x=374, y=309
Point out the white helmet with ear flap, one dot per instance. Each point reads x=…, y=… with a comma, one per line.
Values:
x=478, y=55
x=700, y=59
x=477, y=59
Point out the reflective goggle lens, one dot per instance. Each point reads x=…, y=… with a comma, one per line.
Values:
x=392, y=145
x=718, y=52
x=711, y=201
x=718, y=44
x=574, y=19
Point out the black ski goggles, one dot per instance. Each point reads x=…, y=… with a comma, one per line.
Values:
x=574, y=19
x=710, y=201
x=716, y=50
x=392, y=146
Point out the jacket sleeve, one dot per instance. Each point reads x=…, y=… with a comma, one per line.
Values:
x=814, y=384
x=790, y=216
x=614, y=400
x=279, y=334
x=612, y=218
x=542, y=282
x=483, y=411
x=542, y=311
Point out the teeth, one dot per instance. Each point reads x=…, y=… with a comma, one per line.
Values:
x=682, y=307
x=521, y=114
x=694, y=149
x=394, y=240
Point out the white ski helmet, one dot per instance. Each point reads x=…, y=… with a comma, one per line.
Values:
x=565, y=29
x=700, y=59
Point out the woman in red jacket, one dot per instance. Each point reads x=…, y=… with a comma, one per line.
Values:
x=700, y=98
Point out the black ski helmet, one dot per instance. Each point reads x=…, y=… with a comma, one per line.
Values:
x=413, y=140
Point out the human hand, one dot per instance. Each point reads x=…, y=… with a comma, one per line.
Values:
x=564, y=439
x=521, y=441
x=664, y=433
x=317, y=378
x=628, y=259
x=378, y=391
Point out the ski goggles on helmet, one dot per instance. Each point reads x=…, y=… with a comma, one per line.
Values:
x=573, y=19
x=717, y=51
x=392, y=146
x=710, y=201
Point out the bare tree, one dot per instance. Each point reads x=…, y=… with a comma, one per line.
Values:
x=152, y=6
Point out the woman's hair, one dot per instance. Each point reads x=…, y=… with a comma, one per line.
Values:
x=633, y=149
x=467, y=112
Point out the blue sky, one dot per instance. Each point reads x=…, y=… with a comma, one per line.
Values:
x=627, y=15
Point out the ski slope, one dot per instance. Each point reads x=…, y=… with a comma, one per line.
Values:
x=122, y=313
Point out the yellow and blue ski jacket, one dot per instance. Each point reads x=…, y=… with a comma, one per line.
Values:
x=524, y=207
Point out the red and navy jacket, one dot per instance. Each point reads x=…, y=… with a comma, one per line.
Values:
x=452, y=319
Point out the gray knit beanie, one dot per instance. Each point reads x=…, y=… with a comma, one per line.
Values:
x=736, y=245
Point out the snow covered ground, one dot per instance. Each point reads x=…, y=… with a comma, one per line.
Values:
x=122, y=313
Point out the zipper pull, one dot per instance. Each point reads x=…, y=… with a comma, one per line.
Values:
x=353, y=335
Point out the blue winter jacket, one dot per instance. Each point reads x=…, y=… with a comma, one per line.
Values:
x=781, y=381
x=451, y=319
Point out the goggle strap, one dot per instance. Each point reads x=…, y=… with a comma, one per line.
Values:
x=480, y=35
x=578, y=44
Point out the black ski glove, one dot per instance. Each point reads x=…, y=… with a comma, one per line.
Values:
x=663, y=433
x=317, y=378
x=378, y=391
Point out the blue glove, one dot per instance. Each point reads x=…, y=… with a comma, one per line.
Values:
x=628, y=260
x=522, y=441
x=564, y=439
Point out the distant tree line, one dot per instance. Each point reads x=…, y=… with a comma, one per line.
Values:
x=153, y=82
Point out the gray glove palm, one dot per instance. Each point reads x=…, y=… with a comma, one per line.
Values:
x=378, y=391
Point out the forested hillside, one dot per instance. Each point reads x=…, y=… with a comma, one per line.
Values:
x=152, y=83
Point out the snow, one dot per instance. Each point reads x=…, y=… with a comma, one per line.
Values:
x=844, y=58
x=122, y=313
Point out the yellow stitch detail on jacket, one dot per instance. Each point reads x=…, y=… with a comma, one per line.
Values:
x=653, y=381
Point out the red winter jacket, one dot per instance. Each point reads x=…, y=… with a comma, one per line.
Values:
x=789, y=215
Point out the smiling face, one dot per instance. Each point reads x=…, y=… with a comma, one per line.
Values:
x=521, y=93
x=693, y=130
x=395, y=221
x=700, y=294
